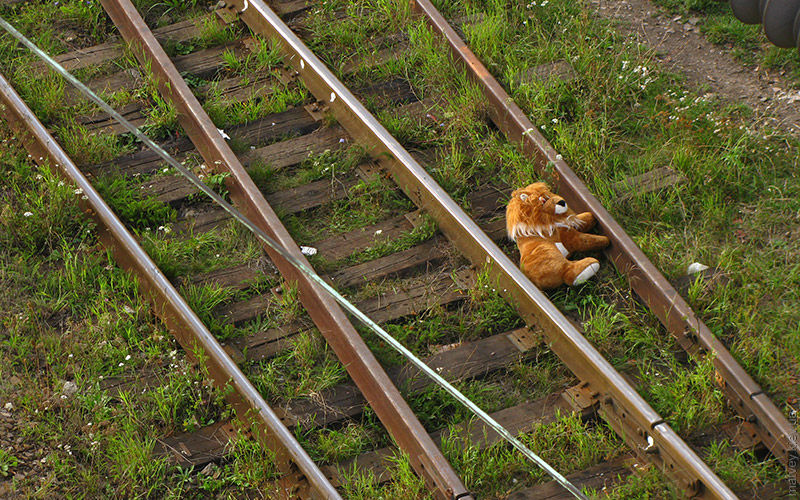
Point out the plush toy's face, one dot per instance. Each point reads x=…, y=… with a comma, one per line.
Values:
x=535, y=211
x=539, y=197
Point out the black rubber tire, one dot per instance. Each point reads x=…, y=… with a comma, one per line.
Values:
x=796, y=30
x=779, y=20
x=747, y=11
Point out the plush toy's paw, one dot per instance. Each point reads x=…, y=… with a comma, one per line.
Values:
x=582, y=270
x=585, y=221
x=587, y=273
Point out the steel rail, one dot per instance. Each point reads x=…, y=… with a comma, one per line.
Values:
x=745, y=395
x=630, y=415
x=197, y=341
x=389, y=405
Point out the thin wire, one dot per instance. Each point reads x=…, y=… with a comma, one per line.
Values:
x=310, y=273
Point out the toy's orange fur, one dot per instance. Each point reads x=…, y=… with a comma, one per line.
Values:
x=547, y=232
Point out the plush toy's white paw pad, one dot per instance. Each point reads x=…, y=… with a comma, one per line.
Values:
x=587, y=273
x=562, y=248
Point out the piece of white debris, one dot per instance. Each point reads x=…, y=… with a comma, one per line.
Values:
x=69, y=388
x=27, y=214
x=696, y=267
x=224, y=135
x=308, y=251
x=128, y=309
x=8, y=406
x=379, y=231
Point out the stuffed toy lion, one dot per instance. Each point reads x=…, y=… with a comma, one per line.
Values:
x=547, y=232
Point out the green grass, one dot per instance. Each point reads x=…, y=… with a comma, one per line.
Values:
x=620, y=117
x=7, y=463
x=191, y=254
x=568, y=444
x=305, y=369
x=70, y=315
x=404, y=483
x=136, y=210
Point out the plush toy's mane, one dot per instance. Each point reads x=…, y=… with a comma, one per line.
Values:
x=525, y=217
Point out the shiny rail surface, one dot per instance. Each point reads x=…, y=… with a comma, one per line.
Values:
x=630, y=416
x=361, y=364
x=744, y=394
x=303, y=477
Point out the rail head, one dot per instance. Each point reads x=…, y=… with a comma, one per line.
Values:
x=350, y=348
x=251, y=408
x=694, y=336
x=627, y=412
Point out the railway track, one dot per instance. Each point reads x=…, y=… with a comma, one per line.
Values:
x=433, y=270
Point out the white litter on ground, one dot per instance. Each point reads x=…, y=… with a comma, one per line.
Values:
x=696, y=267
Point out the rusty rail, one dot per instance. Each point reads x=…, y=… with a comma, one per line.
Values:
x=300, y=471
x=631, y=417
x=363, y=368
x=744, y=394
